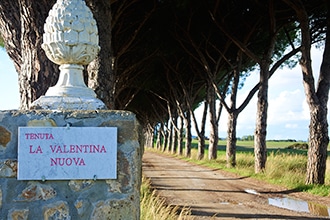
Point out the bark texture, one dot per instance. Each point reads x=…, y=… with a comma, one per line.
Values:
x=318, y=128
x=201, y=133
x=260, y=148
x=100, y=72
x=317, y=98
x=22, y=24
x=232, y=122
x=231, y=140
x=175, y=135
x=214, y=137
x=188, y=134
x=180, y=137
x=317, y=101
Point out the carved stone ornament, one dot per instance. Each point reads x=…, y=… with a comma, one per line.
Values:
x=70, y=40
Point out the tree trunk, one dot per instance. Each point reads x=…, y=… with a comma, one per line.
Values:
x=148, y=137
x=260, y=149
x=318, y=128
x=201, y=134
x=231, y=139
x=318, y=144
x=101, y=76
x=232, y=118
x=214, y=136
x=180, y=137
x=201, y=147
x=188, y=134
x=159, y=137
x=10, y=31
x=152, y=136
x=170, y=137
x=317, y=101
x=23, y=39
x=175, y=135
x=165, y=136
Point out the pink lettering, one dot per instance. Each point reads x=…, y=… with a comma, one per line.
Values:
x=59, y=150
x=103, y=149
x=64, y=149
x=35, y=151
x=53, y=161
x=53, y=148
x=72, y=149
x=79, y=163
x=42, y=136
x=67, y=161
x=31, y=151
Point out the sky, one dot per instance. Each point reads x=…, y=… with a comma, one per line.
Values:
x=288, y=113
x=9, y=95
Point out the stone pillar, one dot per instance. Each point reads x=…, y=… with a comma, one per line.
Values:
x=71, y=199
x=71, y=41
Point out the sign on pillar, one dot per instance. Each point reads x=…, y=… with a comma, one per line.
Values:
x=58, y=153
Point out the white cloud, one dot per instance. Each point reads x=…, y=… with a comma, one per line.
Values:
x=291, y=126
x=287, y=106
x=306, y=109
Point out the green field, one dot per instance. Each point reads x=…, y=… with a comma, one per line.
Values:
x=247, y=146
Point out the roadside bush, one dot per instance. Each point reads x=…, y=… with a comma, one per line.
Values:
x=298, y=146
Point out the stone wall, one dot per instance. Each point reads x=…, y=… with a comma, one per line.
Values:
x=71, y=199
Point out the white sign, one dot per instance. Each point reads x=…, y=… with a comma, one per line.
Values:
x=57, y=153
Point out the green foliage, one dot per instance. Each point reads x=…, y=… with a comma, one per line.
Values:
x=248, y=138
x=299, y=146
x=2, y=44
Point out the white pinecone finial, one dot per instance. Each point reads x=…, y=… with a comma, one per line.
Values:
x=71, y=41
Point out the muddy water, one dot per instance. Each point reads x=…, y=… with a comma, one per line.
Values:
x=296, y=204
x=300, y=206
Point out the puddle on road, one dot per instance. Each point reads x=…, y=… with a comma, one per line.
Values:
x=296, y=204
x=251, y=191
x=300, y=206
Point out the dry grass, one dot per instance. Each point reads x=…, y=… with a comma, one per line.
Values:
x=287, y=169
x=154, y=208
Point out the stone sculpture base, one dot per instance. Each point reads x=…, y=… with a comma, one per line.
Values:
x=67, y=102
x=71, y=199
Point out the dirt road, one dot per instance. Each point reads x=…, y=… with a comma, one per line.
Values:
x=215, y=194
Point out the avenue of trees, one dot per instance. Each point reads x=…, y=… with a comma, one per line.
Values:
x=161, y=59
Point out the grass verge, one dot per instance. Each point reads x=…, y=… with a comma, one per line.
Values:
x=154, y=208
